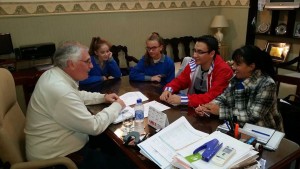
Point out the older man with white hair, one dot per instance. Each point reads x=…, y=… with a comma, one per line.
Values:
x=57, y=120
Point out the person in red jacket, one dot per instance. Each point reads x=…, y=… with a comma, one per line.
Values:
x=206, y=76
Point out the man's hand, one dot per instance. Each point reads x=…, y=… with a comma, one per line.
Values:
x=121, y=102
x=174, y=99
x=165, y=95
x=111, y=97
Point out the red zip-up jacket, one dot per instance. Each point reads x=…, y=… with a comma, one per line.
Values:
x=218, y=78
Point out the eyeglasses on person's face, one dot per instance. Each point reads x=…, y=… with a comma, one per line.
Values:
x=88, y=61
x=152, y=48
x=200, y=52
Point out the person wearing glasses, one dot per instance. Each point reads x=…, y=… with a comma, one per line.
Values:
x=251, y=95
x=154, y=65
x=205, y=76
x=58, y=122
x=104, y=65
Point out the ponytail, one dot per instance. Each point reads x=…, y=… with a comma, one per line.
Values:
x=96, y=43
x=252, y=54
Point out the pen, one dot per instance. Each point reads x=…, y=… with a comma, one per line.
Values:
x=255, y=131
x=206, y=113
x=145, y=137
x=231, y=124
x=227, y=124
x=232, y=77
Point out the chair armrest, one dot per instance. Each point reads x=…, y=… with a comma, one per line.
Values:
x=45, y=163
x=288, y=63
x=295, y=60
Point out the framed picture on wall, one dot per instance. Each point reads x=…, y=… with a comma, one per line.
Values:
x=278, y=51
x=297, y=30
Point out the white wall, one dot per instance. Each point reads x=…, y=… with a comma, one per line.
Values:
x=124, y=28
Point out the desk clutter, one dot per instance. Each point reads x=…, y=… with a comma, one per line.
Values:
x=268, y=138
x=182, y=146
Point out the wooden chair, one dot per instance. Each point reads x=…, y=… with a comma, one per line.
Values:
x=175, y=44
x=12, y=136
x=287, y=85
x=288, y=65
x=125, y=62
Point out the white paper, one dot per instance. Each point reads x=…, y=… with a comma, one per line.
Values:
x=273, y=143
x=130, y=98
x=262, y=138
x=158, y=106
x=127, y=110
x=157, y=119
x=162, y=146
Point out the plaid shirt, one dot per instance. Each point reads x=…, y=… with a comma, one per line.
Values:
x=251, y=101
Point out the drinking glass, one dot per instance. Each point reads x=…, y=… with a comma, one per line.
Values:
x=127, y=121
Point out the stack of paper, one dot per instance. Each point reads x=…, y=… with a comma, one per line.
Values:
x=243, y=151
x=162, y=147
x=180, y=139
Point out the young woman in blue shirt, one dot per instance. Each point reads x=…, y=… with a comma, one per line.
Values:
x=104, y=65
x=154, y=65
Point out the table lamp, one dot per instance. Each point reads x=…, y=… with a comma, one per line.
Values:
x=219, y=22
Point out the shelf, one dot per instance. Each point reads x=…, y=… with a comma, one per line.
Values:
x=277, y=38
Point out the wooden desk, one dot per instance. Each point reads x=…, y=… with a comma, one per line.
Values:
x=282, y=156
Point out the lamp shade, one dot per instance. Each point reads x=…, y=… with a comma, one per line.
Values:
x=219, y=21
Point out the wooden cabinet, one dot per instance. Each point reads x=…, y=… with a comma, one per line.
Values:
x=279, y=27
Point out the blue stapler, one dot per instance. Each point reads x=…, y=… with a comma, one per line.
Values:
x=212, y=147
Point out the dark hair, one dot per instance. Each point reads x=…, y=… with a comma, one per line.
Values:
x=211, y=43
x=252, y=54
x=96, y=43
x=153, y=37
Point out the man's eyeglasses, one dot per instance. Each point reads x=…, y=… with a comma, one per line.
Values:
x=199, y=52
x=87, y=61
x=152, y=48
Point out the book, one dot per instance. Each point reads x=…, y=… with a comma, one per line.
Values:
x=173, y=144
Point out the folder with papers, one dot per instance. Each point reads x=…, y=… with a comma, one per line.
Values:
x=174, y=144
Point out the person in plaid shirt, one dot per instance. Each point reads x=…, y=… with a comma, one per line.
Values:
x=251, y=94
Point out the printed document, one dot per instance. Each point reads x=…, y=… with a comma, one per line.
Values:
x=158, y=106
x=130, y=98
x=162, y=147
